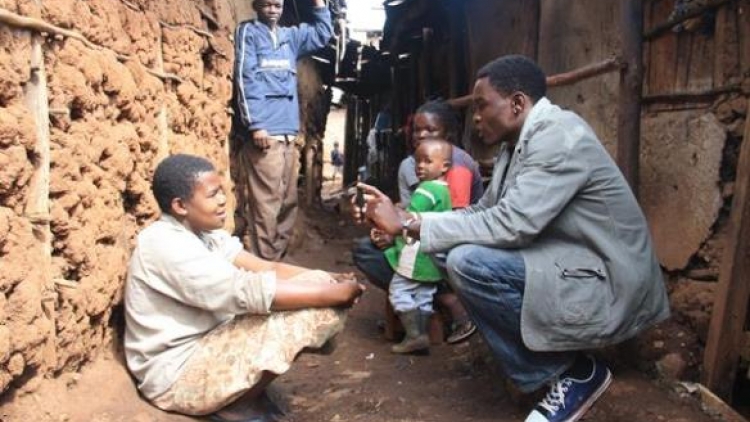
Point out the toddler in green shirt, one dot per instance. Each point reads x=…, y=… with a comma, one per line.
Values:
x=416, y=276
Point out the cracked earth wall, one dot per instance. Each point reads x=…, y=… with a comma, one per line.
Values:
x=83, y=123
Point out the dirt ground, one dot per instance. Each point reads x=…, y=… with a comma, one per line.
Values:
x=360, y=381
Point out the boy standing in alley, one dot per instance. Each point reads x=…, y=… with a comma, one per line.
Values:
x=267, y=106
x=416, y=277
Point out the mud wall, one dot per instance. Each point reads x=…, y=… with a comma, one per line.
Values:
x=85, y=116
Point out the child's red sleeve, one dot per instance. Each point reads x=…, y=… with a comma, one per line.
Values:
x=459, y=184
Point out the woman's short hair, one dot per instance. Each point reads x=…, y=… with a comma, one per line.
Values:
x=447, y=116
x=515, y=73
x=176, y=176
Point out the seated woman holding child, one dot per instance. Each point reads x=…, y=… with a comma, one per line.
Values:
x=432, y=120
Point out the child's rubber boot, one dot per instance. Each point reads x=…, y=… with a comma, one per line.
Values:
x=416, y=339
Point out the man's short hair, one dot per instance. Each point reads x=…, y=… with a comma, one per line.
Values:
x=176, y=176
x=515, y=73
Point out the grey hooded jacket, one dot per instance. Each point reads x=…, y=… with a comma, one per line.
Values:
x=592, y=278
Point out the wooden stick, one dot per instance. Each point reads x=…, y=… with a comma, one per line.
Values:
x=667, y=26
x=37, y=25
x=190, y=27
x=131, y=6
x=209, y=17
x=589, y=71
x=164, y=75
x=695, y=96
x=18, y=21
x=461, y=102
x=61, y=282
x=63, y=111
x=726, y=330
x=218, y=51
x=561, y=79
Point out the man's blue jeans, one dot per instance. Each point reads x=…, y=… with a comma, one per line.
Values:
x=371, y=261
x=490, y=283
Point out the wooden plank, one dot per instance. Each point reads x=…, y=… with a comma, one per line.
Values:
x=701, y=70
x=647, y=23
x=726, y=45
x=631, y=87
x=663, y=53
x=726, y=330
x=743, y=18
x=530, y=16
x=684, y=57
x=716, y=406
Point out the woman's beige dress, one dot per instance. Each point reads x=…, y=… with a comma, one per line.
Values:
x=232, y=358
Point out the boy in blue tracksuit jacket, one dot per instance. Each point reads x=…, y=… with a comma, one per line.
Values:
x=268, y=119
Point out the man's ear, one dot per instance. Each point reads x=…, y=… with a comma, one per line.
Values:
x=178, y=207
x=520, y=102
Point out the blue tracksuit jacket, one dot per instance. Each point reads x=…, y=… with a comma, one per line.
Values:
x=266, y=73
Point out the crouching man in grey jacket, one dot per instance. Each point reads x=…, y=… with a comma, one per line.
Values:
x=556, y=257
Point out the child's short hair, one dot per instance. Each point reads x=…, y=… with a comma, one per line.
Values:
x=175, y=177
x=445, y=148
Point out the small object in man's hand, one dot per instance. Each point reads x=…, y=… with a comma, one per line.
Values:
x=360, y=200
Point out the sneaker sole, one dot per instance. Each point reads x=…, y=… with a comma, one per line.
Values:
x=464, y=336
x=594, y=397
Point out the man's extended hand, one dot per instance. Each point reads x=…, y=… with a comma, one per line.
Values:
x=261, y=139
x=378, y=210
x=380, y=238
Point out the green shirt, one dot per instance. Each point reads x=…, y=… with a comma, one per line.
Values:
x=405, y=258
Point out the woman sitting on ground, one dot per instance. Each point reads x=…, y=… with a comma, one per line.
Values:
x=433, y=120
x=204, y=329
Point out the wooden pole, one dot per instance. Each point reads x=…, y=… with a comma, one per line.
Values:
x=561, y=79
x=38, y=206
x=726, y=331
x=631, y=85
x=585, y=72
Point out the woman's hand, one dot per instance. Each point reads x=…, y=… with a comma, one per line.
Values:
x=378, y=210
x=347, y=293
x=321, y=293
x=342, y=277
